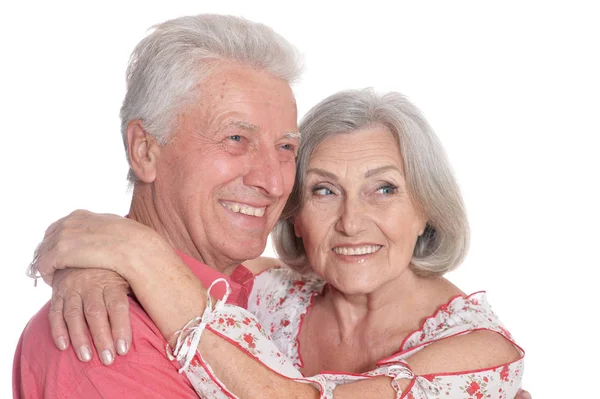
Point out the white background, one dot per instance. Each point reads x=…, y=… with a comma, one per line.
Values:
x=512, y=89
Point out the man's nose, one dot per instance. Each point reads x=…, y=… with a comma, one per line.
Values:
x=265, y=173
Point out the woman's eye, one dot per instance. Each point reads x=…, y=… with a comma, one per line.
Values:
x=387, y=189
x=322, y=191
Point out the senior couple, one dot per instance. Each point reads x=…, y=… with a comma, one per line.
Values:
x=366, y=218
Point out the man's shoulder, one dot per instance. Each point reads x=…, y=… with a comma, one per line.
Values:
x=37, y=331
x=39, y=365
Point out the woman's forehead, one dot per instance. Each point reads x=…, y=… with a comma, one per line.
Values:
x=369, y=148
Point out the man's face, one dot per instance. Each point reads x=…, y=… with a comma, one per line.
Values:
x=224, y=177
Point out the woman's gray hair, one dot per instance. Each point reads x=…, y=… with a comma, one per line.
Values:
x=431, y=183
x=167, y=66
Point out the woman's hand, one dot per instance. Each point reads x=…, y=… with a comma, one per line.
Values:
x=94, y=299
x=523, y=394
x=100, y=241
x=90, y=302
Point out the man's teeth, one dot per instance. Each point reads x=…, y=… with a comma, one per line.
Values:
x=245, y=209
x=364, y=250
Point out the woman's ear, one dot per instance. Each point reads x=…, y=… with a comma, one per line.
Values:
x=143, y=150
x=297, y=231
x=423, y=228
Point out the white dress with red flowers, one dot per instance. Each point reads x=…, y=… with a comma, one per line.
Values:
x=280, y=299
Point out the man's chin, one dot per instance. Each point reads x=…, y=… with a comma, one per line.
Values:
x=244, y=250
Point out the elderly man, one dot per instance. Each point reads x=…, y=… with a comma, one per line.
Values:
x=210, y=128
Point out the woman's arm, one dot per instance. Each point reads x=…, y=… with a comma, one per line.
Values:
x=167, y=289
x=172, y=296
x=156, y=274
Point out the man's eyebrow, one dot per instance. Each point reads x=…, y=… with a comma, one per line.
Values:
x=322, y=173
x=292, y=135
x=242, y=125
x=249, y=127
x=382, y=169
x=254, y=128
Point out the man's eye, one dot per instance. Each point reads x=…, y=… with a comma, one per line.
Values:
x=288, y=147
x=236, y=144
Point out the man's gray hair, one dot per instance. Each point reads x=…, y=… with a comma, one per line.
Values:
x=430, y=180
x=167, y=66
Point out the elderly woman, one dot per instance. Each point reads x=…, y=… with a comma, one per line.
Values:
x=374, y=221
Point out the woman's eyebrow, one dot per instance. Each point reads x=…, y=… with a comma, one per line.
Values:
x=322, y=173
x=382, y=169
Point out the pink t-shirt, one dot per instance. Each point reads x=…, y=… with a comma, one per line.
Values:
x=41, y=370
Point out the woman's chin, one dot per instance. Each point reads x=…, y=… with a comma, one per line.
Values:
x=350, y=285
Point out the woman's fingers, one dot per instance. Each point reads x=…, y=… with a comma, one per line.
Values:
x=77, y=326
x=96, y=316
x=79, y=308
x=117, y=306
x=58, y=326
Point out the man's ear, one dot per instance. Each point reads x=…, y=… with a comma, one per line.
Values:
x=144, y=151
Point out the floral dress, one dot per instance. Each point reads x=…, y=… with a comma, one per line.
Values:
x=269, y=332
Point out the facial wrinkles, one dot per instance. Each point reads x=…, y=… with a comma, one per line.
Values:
x=263, y=137
x=349, y=160
x=270, y=111
x=347, y=186
x=249, y=100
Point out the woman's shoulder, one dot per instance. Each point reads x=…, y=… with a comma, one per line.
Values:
x=287, y=281
x=460, y=323
x=460, y=314
x=280, y=287
x=260, y=264
x=280, y=299
x=462, y=339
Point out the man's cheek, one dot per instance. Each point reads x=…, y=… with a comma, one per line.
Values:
x=227, y=167
x=289, y=174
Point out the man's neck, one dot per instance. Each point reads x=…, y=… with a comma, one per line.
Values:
x=172, y=228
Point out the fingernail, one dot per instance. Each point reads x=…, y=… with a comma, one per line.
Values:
x=85, y=355
x=121, y=346
x=107, y=357
x=62, y=343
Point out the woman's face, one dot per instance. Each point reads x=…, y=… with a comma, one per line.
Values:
x=358, y=224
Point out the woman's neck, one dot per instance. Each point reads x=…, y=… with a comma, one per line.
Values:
x=392, y=307
x=350, y=333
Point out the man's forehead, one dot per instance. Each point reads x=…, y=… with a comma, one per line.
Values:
x=235, y=96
